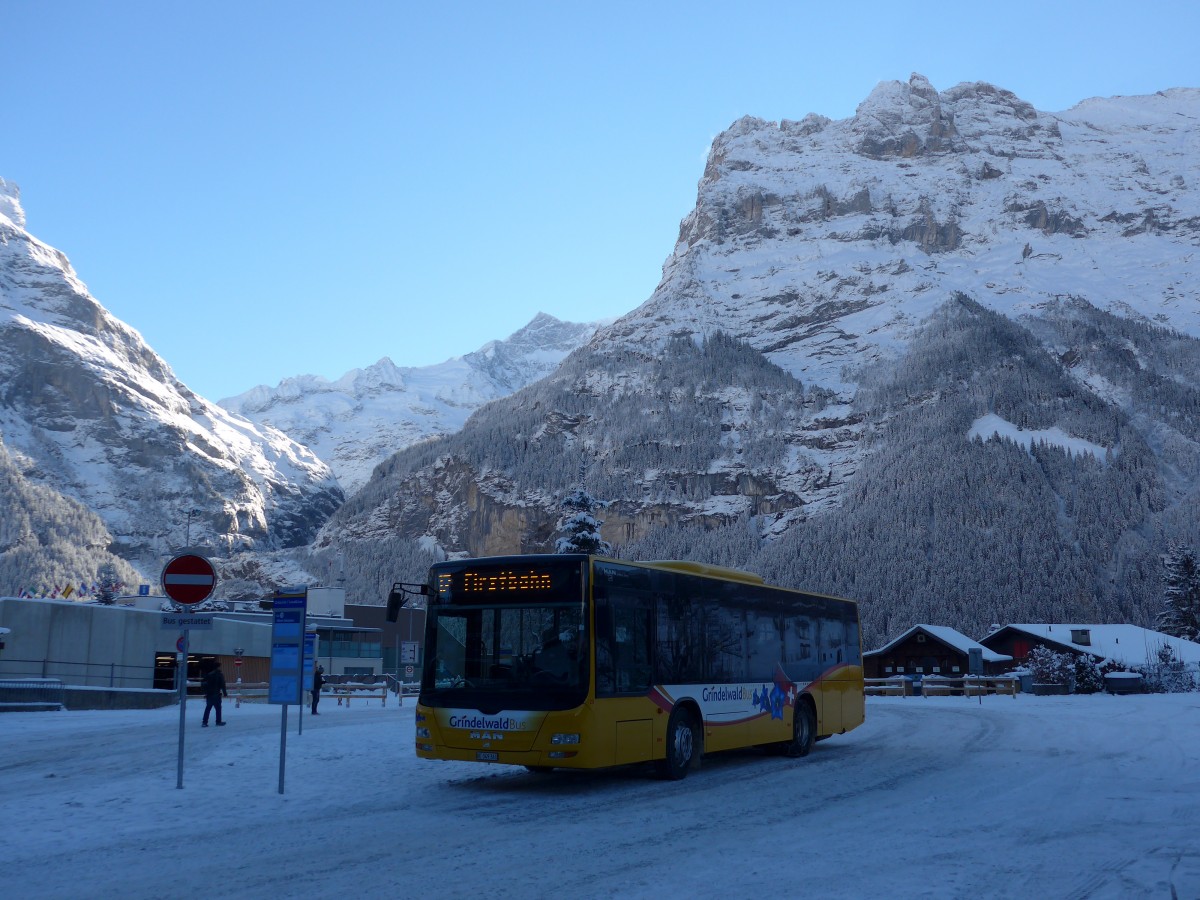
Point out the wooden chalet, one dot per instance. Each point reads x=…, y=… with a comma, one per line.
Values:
x=1127, y=645
x=926, y=650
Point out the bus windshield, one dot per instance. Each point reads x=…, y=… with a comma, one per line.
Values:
x=507, y=637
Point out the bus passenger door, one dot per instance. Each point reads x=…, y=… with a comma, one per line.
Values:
x=623, y=673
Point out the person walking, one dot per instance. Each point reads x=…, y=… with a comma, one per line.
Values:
x=214, y=690
x=318, y=681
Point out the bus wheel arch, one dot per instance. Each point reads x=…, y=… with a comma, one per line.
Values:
x=685, y=741
x=804, y=727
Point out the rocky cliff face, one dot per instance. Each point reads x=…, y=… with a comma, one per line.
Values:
x=91, y=411
x=823, y=243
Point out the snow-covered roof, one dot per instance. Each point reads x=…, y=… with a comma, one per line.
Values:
x=950, y=637
x=1129, y=644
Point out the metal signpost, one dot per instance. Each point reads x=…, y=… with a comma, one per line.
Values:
x=187, y=579
x=975, y=666
x=310, y=657
x=290, y=609
x=408, y=659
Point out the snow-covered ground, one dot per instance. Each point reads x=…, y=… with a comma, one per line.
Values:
x=1085, y=797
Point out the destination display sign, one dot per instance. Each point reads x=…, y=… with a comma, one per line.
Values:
x=549, y=581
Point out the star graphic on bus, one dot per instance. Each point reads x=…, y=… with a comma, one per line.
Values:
x=778, y=698
x=762, y=699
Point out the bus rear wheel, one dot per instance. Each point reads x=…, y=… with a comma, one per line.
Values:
x=681, y=745
x=804, y=730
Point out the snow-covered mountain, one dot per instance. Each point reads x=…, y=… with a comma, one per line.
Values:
x=823, y=243
x=942, y=357
x=368, y=414
x=851, y=304
x=88, y=410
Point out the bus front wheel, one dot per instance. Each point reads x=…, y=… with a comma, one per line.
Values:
x=681, y=745
x=804, y=730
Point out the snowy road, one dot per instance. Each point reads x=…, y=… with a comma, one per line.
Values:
x=1073, y=797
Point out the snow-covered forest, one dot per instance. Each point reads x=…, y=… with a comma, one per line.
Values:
x=48, y=540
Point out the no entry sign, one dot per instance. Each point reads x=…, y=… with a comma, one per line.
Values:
x=188, y=579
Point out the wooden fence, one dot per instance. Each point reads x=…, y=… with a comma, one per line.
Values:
x=339, y=686
x=887, y=687
x=938, y=686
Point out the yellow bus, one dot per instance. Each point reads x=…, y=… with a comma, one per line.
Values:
x=575, y=661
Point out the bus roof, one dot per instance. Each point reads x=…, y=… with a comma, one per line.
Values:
x=695, y=568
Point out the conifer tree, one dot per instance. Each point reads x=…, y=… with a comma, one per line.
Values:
x=1050, y=667
x=578, y=529
x=1168, y=673
x=1088, y=679
x=109, y=582
x=1181, y=599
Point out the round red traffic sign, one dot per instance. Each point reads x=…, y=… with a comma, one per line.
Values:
x=188, y=579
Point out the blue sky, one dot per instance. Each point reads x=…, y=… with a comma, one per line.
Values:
x=271, y=189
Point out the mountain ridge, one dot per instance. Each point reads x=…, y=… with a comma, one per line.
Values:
x=356, y=421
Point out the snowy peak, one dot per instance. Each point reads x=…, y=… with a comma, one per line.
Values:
x=368, y=414
x=383, y=375
x=530, y=353
x=1144, y=112
x=10, y=204
x=91, y=411
x=904, y=120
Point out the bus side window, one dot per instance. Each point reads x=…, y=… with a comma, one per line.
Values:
x=631, y=645
x=605, y=677
x=622, y=642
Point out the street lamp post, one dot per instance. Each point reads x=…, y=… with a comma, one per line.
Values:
x=404, y=596
x=187, y=541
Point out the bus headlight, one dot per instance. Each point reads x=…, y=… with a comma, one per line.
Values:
x=422, y=731
x=564, y=739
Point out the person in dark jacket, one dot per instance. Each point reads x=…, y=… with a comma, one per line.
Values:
x=214, y=690
x=318, y=681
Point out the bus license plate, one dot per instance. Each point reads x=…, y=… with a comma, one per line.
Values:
x=487, y=756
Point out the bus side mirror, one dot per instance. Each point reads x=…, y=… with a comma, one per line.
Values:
x=395, y=601
x=398, y=597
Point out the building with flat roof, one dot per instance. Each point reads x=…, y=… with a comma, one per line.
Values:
x=403, y=641
x=126, y=645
